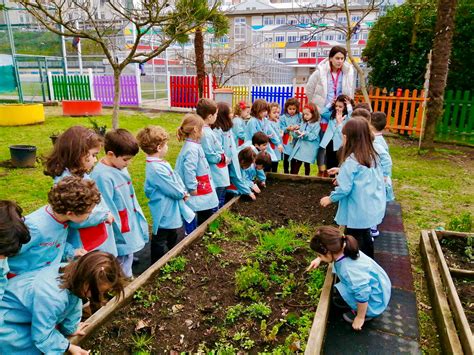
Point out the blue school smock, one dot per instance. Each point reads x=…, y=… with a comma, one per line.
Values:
x=360, y=193
x=386, y=162
x=379, y=139
x=286, y=121
x=130, y=227
x=36, y=315
x=47, y=245
x=212, y=147
x=276, y=134
x=4, y=270
x=252, y=173
x=334, y=133
x=193, y=169
x=166, y=191
x=238, y=130
x=306, y=147
x=363, y=280
x=93, y=233
x=255, y=125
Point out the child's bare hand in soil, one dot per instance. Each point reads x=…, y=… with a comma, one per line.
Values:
x=314, y=264
x=77, y=350
x=256, y=189
x=252, y=196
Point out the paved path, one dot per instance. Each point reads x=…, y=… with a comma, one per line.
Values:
x=396, y=331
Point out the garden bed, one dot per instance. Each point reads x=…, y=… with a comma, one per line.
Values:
x=241, y=287
x=458, y=250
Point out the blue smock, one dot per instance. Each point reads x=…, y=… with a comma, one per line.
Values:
x=238, y=130
x=4, y=269
x=386, y=162
x=277, y=136
x=379, y=139
x=255, y=125
x=286, y=121
x=212, y=147
x=306, y=147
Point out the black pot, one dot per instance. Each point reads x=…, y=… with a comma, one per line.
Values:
x=23, y=156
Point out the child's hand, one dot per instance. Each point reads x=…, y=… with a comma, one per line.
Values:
x=339, y=117
x=79, y=252
x=314, y=264
x=227, y=160
x=333, y=171
x=186, y=197
x=110, y=218
x=193, y=193
x=80, y=329
x=77, y=350
x=252, y=196
x=263, y=184
x=358, y=323
x=325, y=201
x=256, y=189
x=280, y=148
x=334, y=182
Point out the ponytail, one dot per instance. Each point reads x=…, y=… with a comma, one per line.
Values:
x=191, y=127
x=329, y=239
x=351, y=249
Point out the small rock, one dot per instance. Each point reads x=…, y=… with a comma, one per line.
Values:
x=177, y=307
x=181, y=341
x=214, y=298
x=142, y=324
x=188, y=323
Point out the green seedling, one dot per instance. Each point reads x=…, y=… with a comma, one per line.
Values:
x=142, y=343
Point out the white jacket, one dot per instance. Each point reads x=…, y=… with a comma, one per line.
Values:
x=317, y=86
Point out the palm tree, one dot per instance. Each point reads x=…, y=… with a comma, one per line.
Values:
x=439, y=68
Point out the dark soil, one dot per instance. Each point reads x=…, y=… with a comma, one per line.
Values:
x=465, y=289
x=282, y=201
x=454, y=253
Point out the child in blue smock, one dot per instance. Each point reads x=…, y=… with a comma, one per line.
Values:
x=41, y=309
x=259, y=122
x=289, y=122
x=360, y=190
x=275, y=125
x=130, y=227
x=165, y=191
x=13, y=233
x=75, y=153
x=255, y=174
x=378, y=122
x=239, y=122
x=70, y=200
x=332, y=140
x=363, y=284
x=259, y=144
x=193, y=169
x=213, y=150
x=307, y=141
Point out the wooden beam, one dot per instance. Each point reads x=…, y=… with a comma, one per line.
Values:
x=300, y=178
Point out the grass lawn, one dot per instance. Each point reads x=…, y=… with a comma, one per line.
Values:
x=432, y=187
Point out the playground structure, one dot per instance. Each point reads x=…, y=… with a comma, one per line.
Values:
x=21, y=114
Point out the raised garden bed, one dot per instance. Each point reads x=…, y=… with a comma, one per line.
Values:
x=450, y=290
x=240, y=286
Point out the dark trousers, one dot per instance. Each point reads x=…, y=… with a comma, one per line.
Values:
x=203, y=215
x=286, y=163
x=162, y=242
x=332, y=158
x=364, y=239
x=220, y=191
x=296, y=165
x=272, y=168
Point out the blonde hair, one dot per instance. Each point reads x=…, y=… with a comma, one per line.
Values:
x=191, y=127
x=151, y=137
x=242, y=105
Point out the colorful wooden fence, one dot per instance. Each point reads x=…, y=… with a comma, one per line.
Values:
x=458, y=118
x=184, y=90
x=278, y=94
x=95, y=87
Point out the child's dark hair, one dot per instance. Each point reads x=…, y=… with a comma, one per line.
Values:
x=247, y=157
x=206, y=107
x=121, y=142
x=73, y=194
x=329, y=239
x=363, y=105
x=341, y=98
x=223, y=120
x=151, y=137
x=292, y=102
x=379, y=120
x=264, y=159
x=362, y=112
x=314, y=112
x=13, y=231
x=258, y=106
x=359, y=140
x=260, y=138
x=85, y=276
x=69, y=150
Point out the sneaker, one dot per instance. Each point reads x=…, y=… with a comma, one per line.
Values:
x=374, y=232
x=350, y=316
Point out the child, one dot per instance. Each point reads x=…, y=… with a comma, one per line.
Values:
x=361, y=112
x=40, y=310
x=363, y=105
x=192, y=167
x=241, y=115
x=332, y=139
x=363, y=284
x=274, y=120
x=165, y=190
x=247, y=157
x=13, y=233
x=379, y=121
x=289, y=122
x=360, y=188
x=70, y=200
x=259, y=123
x=130, y=227
x=307, y=144
x=212, y=147
x=75, y=153
x=262, y=162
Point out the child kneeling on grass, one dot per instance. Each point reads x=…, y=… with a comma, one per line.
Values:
x=364, y=285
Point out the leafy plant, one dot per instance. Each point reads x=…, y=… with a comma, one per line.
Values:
x=248, y=279
x=314, y=284
x=214, y=249
x=289, y=286
x=175, y=265
x=258, y=310
x=461, y=223
x=142, y=343
x=97, y=127
x=144, y=298
x=233, y=313
x=469, y=249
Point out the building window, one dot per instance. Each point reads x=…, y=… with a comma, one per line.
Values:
x=356, y=18
x=268, y=20
x=355, y=51
x=304, y=20
x=329, y=37
x=313, y=54
x=304, y=37
x=341, y=37
x=279, y=55
x=268, y=37
x=239, y=21
x=303, y=54
x=355, y=36
x=342, y=19
x=291, y=21
x=280, y=20
x=292, y=37
x=365, y=35
x=279, y=37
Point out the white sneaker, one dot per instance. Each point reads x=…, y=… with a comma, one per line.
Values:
x=374, y=232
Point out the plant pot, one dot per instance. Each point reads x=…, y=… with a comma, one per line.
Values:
x=53, y=138
x=23, y=156
x=101, y=131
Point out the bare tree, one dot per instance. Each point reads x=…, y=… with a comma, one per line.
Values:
x=156, y=18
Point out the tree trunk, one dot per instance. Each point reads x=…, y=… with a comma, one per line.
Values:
x=199, y=54
x=359, y=71
x=439, y=68
x=116, y=108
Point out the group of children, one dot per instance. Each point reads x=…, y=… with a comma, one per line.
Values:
x=93, y=224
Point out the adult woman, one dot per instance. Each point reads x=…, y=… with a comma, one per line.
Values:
x=332, y=77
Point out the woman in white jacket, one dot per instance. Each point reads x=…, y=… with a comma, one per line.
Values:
x=332, y=77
